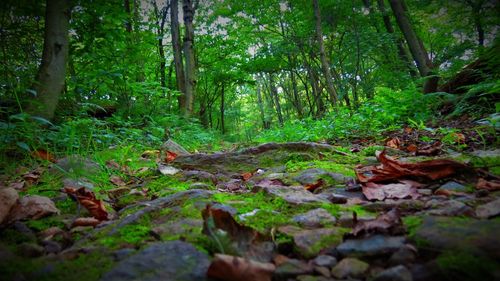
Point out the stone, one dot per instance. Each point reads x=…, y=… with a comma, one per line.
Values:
x=167, y=170
x=8, y=198
x=310, y=176
x=77, y=183
x=478, y=237
x=201, y=176
x=178, y=227
x=448, y=208
x=325, y=261
x=291, y=268
x=51, y=247
x=232, y=185
x=488, y=210
x=396, y=273
x=325, y=271
x=24, y=231
x=371, y=246
x=425, y=191
x=74, y=164
x=32, y=207
x=346, y=219
x=199, y=185
x=315, y=218
x=122, y=254
x=167, y=261
x=309, y=242
x=30, y=250
x=350, y=267
x=174, y=147
x=405, y=255
x=292, y=194
x=314, y=278
x=453, y=186
x=337, y=198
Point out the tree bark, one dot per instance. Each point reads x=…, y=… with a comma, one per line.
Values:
x=325, y=65
x=51, y=75
x=190, y=73
x=222, y=110
x=275, y=98
x=176, y=47
x=402, y=52
x=417, y=49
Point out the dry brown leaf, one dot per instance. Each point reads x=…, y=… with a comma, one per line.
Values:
x=231, y=268
x=491, y=185
x=430, y=150
x=112, y=164
x=44, y=155
x=246, y=176
x=85, y=222
x=412, y=148
x=393, y=143
x=402, y=189
x=87, y=199
x=116, y=180
x=313, y=186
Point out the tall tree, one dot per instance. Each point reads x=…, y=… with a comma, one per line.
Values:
x=325, y=65
x=190, y=74
x=50, y=80
x=416, y=46
x=176, y=47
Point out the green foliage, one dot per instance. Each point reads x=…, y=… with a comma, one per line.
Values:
x=456, y=265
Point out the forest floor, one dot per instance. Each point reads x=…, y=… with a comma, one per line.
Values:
x=290, y=211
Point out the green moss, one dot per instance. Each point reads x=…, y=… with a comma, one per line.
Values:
x=412, y=223
x=165, y=185
x=466, y=266
x=327, y=241
x=44, y=223
x=370, y=150
x=341, y=168
x=135, y=234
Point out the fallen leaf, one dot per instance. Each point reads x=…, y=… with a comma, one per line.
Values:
x=412, y=148
x=44, y=155
x=116, y=180
x=393, y=170
x=112, y=164
x=402, y=189
x=393, y=143
x=408, y=130
x=88, y=200
x=313, y=186
x=231, y=268
x=32, y=207
x=430, y=150
x=170, y=156
x=246, y=176
x=85, y=222
x=491, y=185
x=386, y=223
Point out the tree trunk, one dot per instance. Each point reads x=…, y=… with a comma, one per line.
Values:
x=176, y=47
x=222, y=101
x=190, y=73
x=417, y=49
x=402, y=53
x=325, y=65
x=275, y=98
x=52, y=72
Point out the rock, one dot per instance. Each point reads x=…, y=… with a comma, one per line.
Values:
x=448, y=208
x=8, y=198
x=453, y=186
x=309, y=242
x=314, y=278
x=116, y=193
x=371, y=246
x=488, y=210
x=167, y=261
x=337, y=198
x=30, y=250
x=404, y=255
x=24, y=231
x=178, y=227
x=346, y=218
x=232, y=185
x=167, y=170
x=310, y=176
x=315, y=218
x=425, y=191
x=51, y=247
x=325, y=271
x=174, y=147
x=325, y=261
x=291, y=194
x=122, y=254
x=199, y=185
x=74, y=164
x=426, y=272
x=199, y=176
x=397, y=273
x=350, y=267
x=479, y=237
x=292, y=268
x=77, y=183
x=32, y=207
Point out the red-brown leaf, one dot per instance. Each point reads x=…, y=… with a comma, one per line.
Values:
x=231, y=268
x=116, y=180
x=491, y=185
x=87, y=198
x=400, y=190
x=313, y=186
x=170, y=156
x=85, y=222
x=387, y=223
x=246, y=176
x=393, y=143
x=44, y=155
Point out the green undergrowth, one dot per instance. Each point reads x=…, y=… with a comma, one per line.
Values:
x=412, y=223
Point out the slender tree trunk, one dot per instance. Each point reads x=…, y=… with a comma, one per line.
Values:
x=325, y=65
x=190, y=73
x=222, y=109
x=176, y=47
x=265, y=123
x=275, y=98
x=51, y=75
x=402, y=53
x=417, y=49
